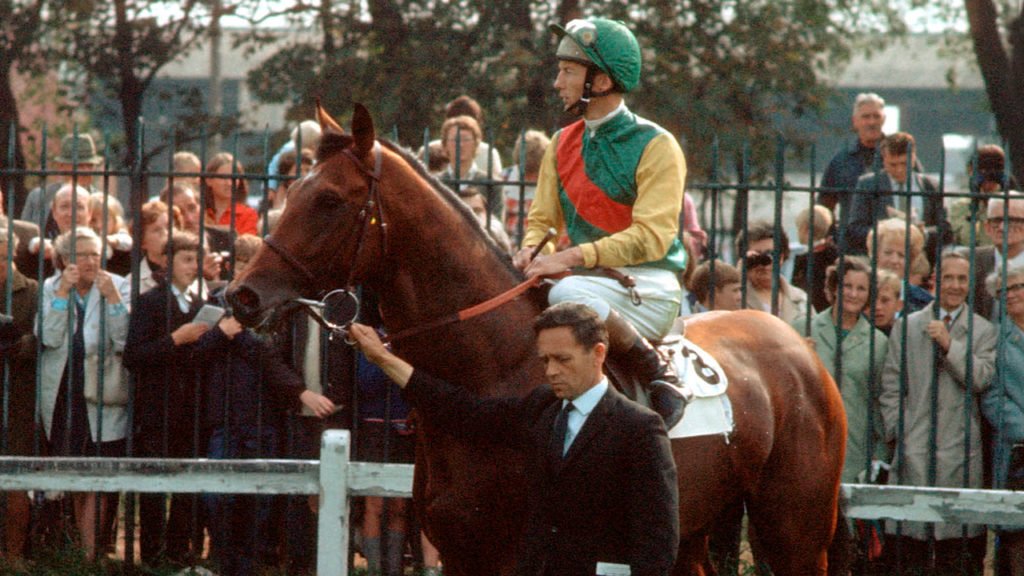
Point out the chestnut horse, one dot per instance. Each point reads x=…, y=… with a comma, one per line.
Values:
x=368, y=213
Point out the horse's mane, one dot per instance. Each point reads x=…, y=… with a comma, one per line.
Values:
x=453, y=200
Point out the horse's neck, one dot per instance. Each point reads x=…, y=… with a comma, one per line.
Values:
x=438, y=262
x=444, y=268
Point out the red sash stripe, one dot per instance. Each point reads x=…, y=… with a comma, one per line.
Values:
x=591, y=203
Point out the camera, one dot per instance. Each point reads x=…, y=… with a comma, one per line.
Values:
x=755, y=259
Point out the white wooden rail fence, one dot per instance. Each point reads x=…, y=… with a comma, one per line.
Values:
x=335, y=479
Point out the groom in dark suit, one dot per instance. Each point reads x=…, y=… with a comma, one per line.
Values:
x=603, y=483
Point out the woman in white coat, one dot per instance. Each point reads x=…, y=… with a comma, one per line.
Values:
x=85, y=309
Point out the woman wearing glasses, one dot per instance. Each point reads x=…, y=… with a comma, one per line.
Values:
x=85, y=312
x=1003, y=405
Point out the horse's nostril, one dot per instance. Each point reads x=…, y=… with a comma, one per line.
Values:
x=245, y=303
x=247, y=298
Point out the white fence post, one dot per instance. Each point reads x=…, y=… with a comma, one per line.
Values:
x=332, y=534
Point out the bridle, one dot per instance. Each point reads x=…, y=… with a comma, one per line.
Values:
x=372, y=211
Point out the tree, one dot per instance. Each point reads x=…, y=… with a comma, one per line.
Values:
x=1001, y=60
x=121, y=46
x=21, y=25
x=742, y=71
x=406, y=58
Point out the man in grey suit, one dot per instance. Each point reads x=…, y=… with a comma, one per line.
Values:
x=1003, y=216
x=885, y=195
x=78, y=156
x=958, y=346
x=603, y=485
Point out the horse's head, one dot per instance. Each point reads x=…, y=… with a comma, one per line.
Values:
x=331, y=233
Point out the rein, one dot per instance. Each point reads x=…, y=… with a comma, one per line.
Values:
x=464, y=314
x=467, y=313
x=374, y=208
x=486, y=305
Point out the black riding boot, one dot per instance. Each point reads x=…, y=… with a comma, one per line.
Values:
x=627, y=348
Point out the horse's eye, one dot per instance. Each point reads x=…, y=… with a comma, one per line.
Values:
x=328, y=201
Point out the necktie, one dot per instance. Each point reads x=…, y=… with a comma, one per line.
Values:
x=561, y=428
x=948, y=319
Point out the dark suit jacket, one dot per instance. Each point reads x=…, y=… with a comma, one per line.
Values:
x=614, y=498
x=817, y=261
x=984, y=264
x=166, y=385
x=840, y=177
x=22, y=360
x=872, y=198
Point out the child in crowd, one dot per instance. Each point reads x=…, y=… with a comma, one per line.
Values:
x=159, y=352
x=809, y=268
x=384, y=436
x=719, y=289
x=248, y=388
x=888, y=302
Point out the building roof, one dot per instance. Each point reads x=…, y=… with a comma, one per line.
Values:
x=915, y=61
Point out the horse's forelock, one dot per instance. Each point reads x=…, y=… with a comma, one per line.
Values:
x=332, y=142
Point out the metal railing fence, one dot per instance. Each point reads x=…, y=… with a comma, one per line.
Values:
x=773, y=202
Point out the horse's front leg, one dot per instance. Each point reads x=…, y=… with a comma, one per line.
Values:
x=472, y=513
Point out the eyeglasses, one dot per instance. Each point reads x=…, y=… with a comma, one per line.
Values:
x=1011, y=288
x=999, y=220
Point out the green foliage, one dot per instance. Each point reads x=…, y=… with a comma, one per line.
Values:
x=113, y=51
x=743, y=70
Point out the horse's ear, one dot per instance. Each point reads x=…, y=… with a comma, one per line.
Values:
x=363, y=131
x=326, y=122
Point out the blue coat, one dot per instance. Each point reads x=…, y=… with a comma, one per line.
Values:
x=840, y=178
x=1003, y=404
x=246, y=382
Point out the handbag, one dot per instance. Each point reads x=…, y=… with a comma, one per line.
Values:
x=115, y=385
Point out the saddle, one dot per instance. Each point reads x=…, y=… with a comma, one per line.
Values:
x=697, y=370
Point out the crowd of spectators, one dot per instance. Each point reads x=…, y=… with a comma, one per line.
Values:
x=881, y=288
x=123, y=351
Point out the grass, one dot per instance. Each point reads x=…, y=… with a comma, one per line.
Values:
x=70, y=561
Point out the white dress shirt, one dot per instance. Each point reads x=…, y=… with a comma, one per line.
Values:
x=583, y=405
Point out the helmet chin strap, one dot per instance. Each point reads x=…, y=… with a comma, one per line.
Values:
x=580, y=107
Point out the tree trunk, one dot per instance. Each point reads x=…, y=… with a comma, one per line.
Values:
x=130, y=93
x=535, y=84
x=392, y=35
x=1003, y=74
x=13, y=185
x=327, y=23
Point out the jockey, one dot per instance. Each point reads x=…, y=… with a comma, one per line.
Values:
x=613, y=182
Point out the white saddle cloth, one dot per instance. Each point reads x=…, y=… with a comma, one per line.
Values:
x=710, y=411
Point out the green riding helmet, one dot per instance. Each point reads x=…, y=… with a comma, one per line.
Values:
x=606, y=44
